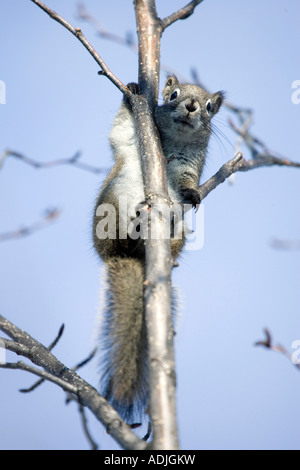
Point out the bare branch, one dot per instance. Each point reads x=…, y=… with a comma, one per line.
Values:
x=59, y=335
x=85, y=361
x=267, y=159
x=74, y=160
x=45, y=376
x=23, y=350
x=23, y=344
x=52, y=345
x=93, y=444
x=40, y=373
x=32, y=387
x=238, y=163
x=260, y=153
x=181, y=14
x=70, y=398
x=268, y=343
x=80, y=36
x=225, y=172
x=49, y=217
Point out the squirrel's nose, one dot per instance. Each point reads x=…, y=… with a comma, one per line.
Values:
x=191, y=106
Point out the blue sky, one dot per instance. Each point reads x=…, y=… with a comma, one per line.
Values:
x=231, y=395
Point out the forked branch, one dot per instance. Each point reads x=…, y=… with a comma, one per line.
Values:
x=180, y=14
x=50, y=368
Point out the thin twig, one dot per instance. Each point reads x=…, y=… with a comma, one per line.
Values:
x=80, y=36
x=52, y=345
x=225, y=172
x=74, y=160
x=49, y=217
x=59, y=335
x=40, y=373
x=267, y=159
x=238, y=163
x=268, y=343
x=71, y=397
x=260, y=153
x=181, y=14
x=149, y=431
x=93, y=444
x=246, y=123
x=85, y=361
x=77, y=367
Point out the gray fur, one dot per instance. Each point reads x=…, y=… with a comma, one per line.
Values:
x=184, y=125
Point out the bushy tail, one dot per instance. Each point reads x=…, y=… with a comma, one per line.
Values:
x=125, y=377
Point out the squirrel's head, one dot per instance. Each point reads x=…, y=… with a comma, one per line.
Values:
x=187, y=110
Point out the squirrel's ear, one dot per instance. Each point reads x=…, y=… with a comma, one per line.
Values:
x=171, y=82
x=217, y=100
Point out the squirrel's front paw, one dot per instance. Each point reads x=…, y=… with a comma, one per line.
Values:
x=191, y=196
x=133, y=87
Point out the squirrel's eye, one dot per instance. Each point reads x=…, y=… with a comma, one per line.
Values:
x=208, y=106
x=174, y=94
